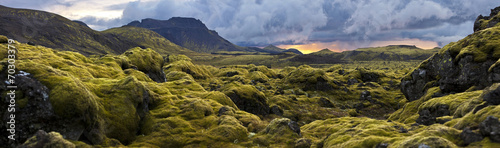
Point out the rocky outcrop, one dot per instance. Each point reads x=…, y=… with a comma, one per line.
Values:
x=467, y=64
x=490, y=128
x=483, y=22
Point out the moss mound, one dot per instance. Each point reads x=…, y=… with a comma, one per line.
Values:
x=247, y=98
x=196, y=71
x=147, y=61
x=308, y=78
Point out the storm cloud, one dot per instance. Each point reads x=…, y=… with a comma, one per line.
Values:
x=347, y=23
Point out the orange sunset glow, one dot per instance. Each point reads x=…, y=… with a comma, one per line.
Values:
x=335, y=45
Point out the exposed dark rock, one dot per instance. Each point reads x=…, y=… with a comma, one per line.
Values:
x=324, y=102
x=428, y=115
x=303, y=143
x=490, y=128
x=493, y=97
x=382, y=145
x=450, y=76
x=369, y=77
x=276, y=110
x=294, y=126
x=403, y=130
x=232, y=73
x=352, y=81
x=249, y=99
x=492, y=21
x=365, y=96
x=426, y=118
x=470, y=137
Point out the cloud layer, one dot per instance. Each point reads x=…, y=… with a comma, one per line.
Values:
x=347, y=23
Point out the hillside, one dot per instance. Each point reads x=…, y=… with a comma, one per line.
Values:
x=189, y=33
x=54, y=31
x=389, y=53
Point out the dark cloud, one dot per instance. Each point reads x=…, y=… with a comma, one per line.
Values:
x=354, y=23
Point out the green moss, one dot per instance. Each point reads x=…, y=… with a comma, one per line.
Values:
x=54, y=139
x=197, y=72
x=453, y=101
x=220, y=98
x=178, y=75
x=229, y=129
x=175, y=58
x=4, y=39
x=258, y=76
x=411, y=109
x=147, y=61
x=482, y=45
x=195, y=109
x=137, y=74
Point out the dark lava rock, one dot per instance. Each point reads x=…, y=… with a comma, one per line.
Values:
x=490, y=128
x=303, y=143
x=481, y=18
x=369, y=76
x=426, y=118
x=403, y=130
x=251, y=101
x=276, y=110
x=470, y=137
x=352, y=81
x=493, y=97
x=294, y=126
x=365, y=95
x=428, y=115
x=453, y=76
x=324, y=102
x=382, y=145
x=232, y=73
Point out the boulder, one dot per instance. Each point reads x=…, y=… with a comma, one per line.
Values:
x=490, y=128
x=470, y=137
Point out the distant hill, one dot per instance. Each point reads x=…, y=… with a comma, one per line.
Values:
x=293, y=50
x=54, y=31
x=273, y=49
x=325, y=51
x=389, y=53
x=189, y=33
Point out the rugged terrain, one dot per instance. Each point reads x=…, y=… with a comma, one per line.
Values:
x=141, y=97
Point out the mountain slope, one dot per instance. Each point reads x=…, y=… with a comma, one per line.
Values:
x=54, y=31
x=389, y=53
x=189, y=33
x=145, y=38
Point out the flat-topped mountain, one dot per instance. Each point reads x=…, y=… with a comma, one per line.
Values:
x=189, y=33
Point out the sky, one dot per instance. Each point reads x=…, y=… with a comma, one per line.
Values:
x=308, y=25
